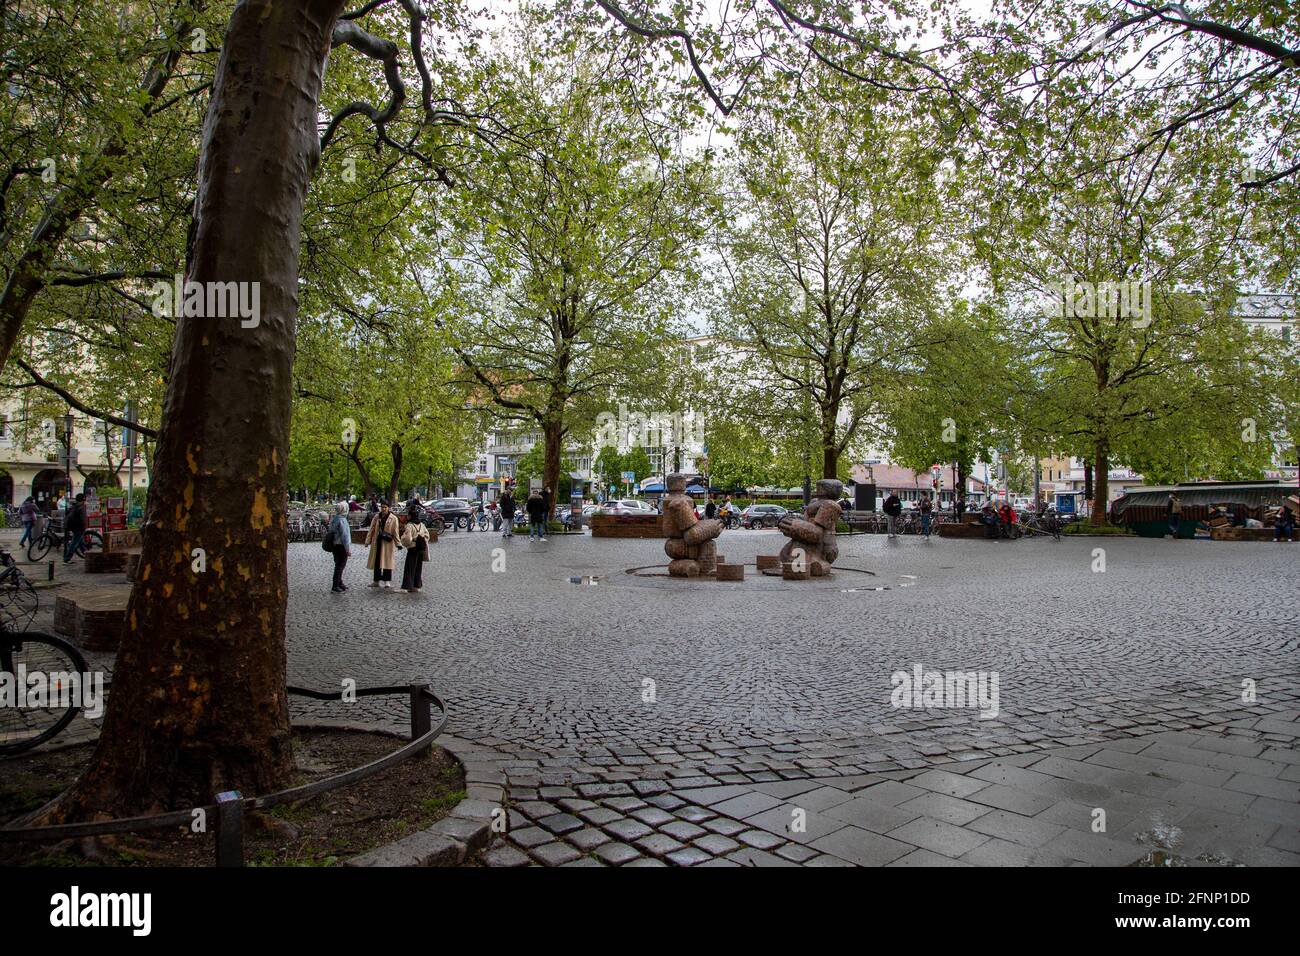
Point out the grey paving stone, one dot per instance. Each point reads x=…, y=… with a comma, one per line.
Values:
x=952, y=784
x=871, y=814
x=862, y=846
x=554, y=854
x=759, y=839
x=600, y=816
x=627, y=830
x=688, y=856
x=653, y=816
x=646, y=861
x=616, y=854
x=940, y=806
x=560, y=823
x=505, y=856
x=531, y=837
x=624, y=804
x=796, y=853
x=1095, y=848
x=1272, y=787
x=658, y=844
x=588, y=839
x=666, y=801
x=681, y=830
x=716, y=843
x=1211, y=798
x=1002, y=853
x=938, y=836
x=780, y=821
x=827, y=860
x=1014, y=828
x=693, y=814
x=746, y=805
x=749, y=856
x=724, y=825
x=785, y=789
x=1276, y=811
x=1012, y=800
x=926, y=858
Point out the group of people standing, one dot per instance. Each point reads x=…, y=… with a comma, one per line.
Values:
x=385, y=536
x=537, y=506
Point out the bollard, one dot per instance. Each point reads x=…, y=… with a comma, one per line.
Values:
x=51, y=571
x=421, y=723
x=230, y=829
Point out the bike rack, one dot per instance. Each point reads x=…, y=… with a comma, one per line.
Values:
x=230, y=806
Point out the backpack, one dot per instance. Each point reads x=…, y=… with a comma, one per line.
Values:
x=327, y=543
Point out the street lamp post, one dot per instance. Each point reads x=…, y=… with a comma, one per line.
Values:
x=67, y=441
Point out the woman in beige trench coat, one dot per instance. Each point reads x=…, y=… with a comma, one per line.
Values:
x=381, y=539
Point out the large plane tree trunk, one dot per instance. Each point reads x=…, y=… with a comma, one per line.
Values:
x=198, y=703
x=552, y=452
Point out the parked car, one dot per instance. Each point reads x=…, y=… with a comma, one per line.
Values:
x=761, y=516
x=456, y=512
x=628, y=506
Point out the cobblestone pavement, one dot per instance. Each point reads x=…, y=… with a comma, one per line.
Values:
x=641, y=721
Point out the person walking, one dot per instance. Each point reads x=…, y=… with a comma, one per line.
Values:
x=711, y=508
x=548, y=507
x=893, y=508
x=415, y=539
x=74, y=528
x=1285, y=525
x=1174, y=509
x=27, y=514
x=536, y=515
x=960, y=507
x=340, y=535
x=382, y=541
x=507, y=506
x=927, y=508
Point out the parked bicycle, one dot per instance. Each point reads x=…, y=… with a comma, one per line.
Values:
x=52, y=535
x=24, y=722
x=1048, y=523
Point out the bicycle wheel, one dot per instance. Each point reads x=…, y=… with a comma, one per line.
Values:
x=92, y=541
x=26, y=722
x=39, y=547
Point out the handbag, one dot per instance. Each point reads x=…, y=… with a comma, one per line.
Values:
x=385, y=536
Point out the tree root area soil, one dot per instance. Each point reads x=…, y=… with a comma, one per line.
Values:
x=321, y=831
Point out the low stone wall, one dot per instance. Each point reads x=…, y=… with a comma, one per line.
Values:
x=627, y=526
x=950, y=529
x=1242, y=534
x=106, y=562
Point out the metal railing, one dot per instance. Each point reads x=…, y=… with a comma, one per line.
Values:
x=230, y=806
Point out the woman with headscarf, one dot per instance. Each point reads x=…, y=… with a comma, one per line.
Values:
x=415, y=539
x=382, y=541
x=340, y=535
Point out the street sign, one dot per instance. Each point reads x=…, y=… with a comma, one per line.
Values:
x=629, y=477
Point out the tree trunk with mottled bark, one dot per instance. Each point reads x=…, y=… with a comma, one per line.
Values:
x=198, y=703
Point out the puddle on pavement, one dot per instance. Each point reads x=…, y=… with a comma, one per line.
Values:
x=586, y=579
